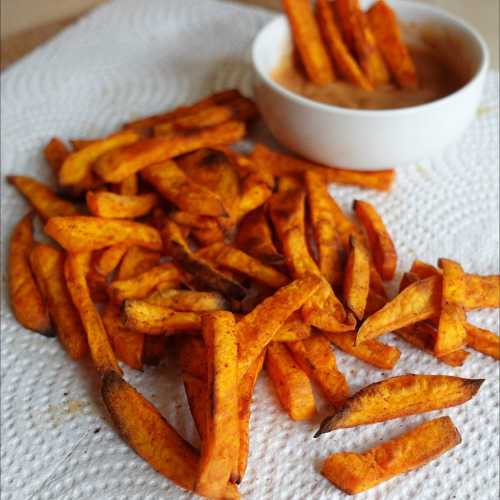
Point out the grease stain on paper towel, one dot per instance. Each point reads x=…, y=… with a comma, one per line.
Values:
x=62, y=411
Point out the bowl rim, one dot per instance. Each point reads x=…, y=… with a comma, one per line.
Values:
x=378, y=113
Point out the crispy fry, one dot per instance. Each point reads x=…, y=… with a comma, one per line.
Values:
x=257, y=329
x=48, y=266
x=137, y=260
x=292, y=385
x=42, y=198
x=81, y=143
x=374, y=302
x=75, y=271
x=308, y=41
x=220, y=446
x=483, y=341
x=373, y=352
x=381, y=245
x=344, y=62
x=397, y=397
x=384, y=24
x=26, y=299
x=55, y=152
x=109, y=259
x=79, y=163
x=357, y=472
x=141, y=285
x=118, y=164
x=293, y=329
x=127, y=344
x=187, y=300
x=451, y=334
x=117, y=206
x=84, y=234
x=281, y=164
x=357, y=278
x=418, y=302
x=344, y=13
x=128, y=186
x=316, y=357
x=376, y=282
x=323, y=223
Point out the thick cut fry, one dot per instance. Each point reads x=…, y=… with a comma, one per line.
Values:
x=325, y=232
x=418, y=302
x=157, y=320
x=220, y=446
x=281, y=164
x=84, y=234
x=384, y=253
x=75, y=271
x=193, y=357
x=136, y=261
x=150, y=435
x=118, y=206
x=397, y=397
x=255, y=237
x=357, y=278
x=26, y=299
x=127, y=344
x=356, y=472
x=201, y=270
x=384, y=24
x=42, y=198
x=173, y=184
x=451, y=335
x=55, y=152
x=109, y=259
x=293, y=329
x=373, y=352
x=292, y=385
x=79, y=163
x=344, y=62
x=48, y=266
x=316, y=357
x=187, y=300
x=308, y=41
x=129, y=186
x=483, y=341
x=257, y=329
x=141, y=285
x=126, y=160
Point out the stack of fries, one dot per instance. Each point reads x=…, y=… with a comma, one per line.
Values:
x=185, y=244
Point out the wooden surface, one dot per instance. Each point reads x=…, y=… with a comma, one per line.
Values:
x=29, y=23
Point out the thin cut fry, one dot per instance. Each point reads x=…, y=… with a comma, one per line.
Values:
x=136, y=261
x=291, y=384
x=55, y=152
x=293, y=329
x=401, y=396
x=26, y=298
x=110, y=258
x=187, y=300
x=308, y=41
x=357, y=472
x=483, y=341
x=357, y=278
x=118, y=206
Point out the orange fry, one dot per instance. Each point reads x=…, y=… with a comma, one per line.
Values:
x=137, y=260
x=483, y=341
x=55, y=152
x=293, y=329
x=109, y=259
x=117, y=206
x=357, y=278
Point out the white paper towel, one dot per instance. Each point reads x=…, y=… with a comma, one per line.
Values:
x=129, y=58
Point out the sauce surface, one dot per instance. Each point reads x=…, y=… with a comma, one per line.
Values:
x=437, y=79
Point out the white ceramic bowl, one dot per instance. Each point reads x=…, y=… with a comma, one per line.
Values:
x=369, y=139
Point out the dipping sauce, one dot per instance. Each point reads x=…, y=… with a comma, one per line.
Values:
x=437, y=77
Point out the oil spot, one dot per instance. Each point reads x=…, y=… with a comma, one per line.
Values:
x=60, y=412
x=423, y=171
x=486, y=110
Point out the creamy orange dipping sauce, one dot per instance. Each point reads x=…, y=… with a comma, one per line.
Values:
x=437, y=79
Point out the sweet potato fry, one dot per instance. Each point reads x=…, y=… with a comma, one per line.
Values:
x=42, y=198
x=293, y=329
x=26, y=299
x=397, y=397
x=281, y=164
x=292, y=385
x=75, y=271
x=418, y=302
x=118, y=164
x=344, y=61
x=316, y=357
x=357, y=278
x=79, y=163
x=84, y=234
x=150, y=435
x=381, y=245
x=201, y=269
x=385, y=28
x=109, y=259
x=157, y=320
x=374, y=302
x=141, y=285
x=308, y=41
x=220, y=446
x=127, y=344
x=81, y=143
x=483, y=341
x=55, y=152
x=117, y=206
x=128, y=186
x=323, y=223
x=208, y=236
x=356, y=472
x=136, y=261
x=48, y=266
x=257, y=328
x=373, y=352
x=451, y=334
x=187, y=300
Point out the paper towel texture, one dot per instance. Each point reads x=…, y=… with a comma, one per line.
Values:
x=131, y=58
